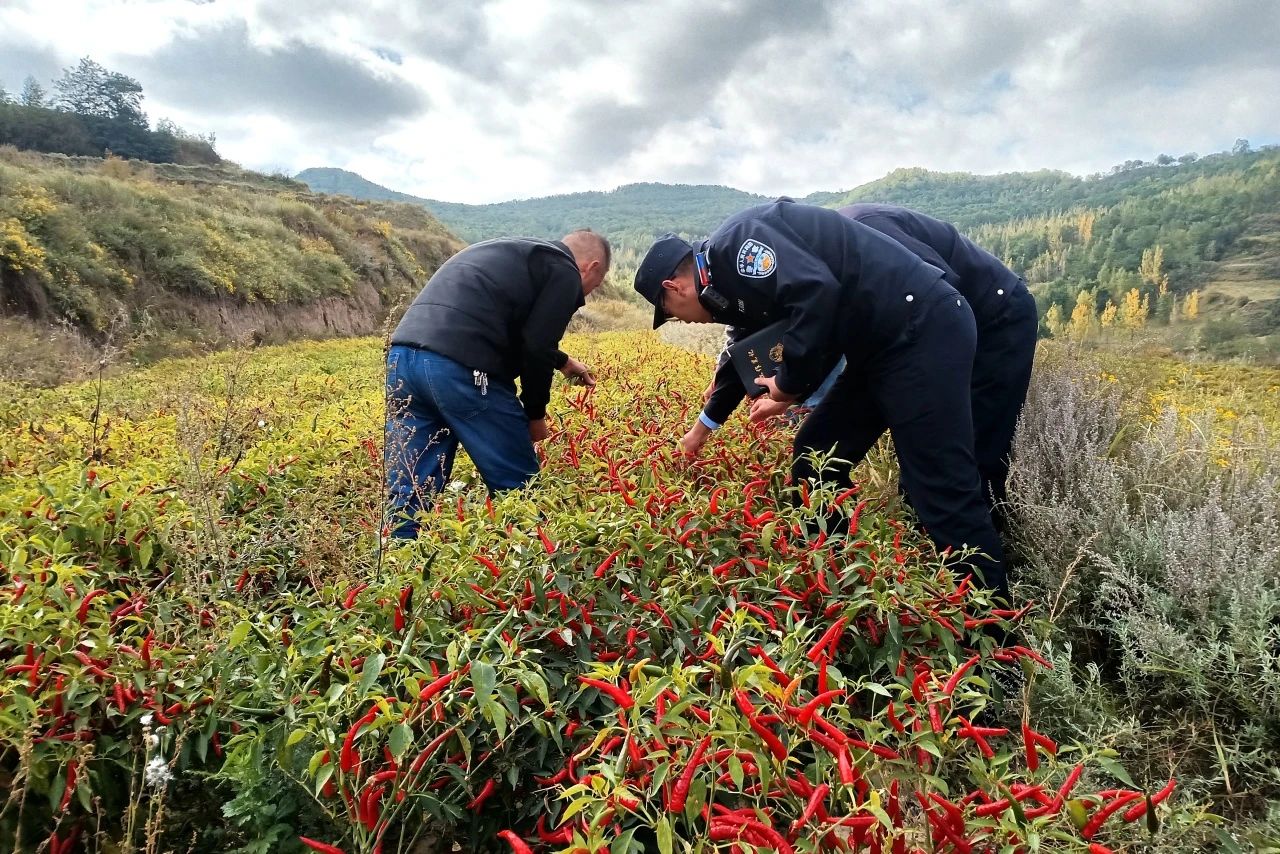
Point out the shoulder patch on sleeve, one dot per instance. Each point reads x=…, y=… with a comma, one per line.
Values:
x=756, y=260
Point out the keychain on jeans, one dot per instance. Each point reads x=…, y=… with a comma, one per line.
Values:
x=481, y=381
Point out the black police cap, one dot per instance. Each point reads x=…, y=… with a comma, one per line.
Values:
x=659, y=263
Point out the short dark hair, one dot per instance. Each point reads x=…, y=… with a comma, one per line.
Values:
x=605, y=249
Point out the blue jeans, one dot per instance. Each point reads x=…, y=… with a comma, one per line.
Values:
x=433, y=405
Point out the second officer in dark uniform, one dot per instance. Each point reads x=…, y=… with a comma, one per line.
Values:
x=846, y=289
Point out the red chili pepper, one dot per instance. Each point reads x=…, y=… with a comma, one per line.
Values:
x=824, y=699
x=1099, y=818
x=1139, y=810
x=935, y=719
x=322, y=847
x=72, y=767
x=369, y=808
x=438, y=685
x=992, y=809
x=715, y=499
x=547, y=544
x=680, y=792
x=492, y=567
x=845, y=495
x=478, y=801
x=1067, y=785
x=431, y=748
x=83, y=613
x=350, y=600
x=349, y=759
x=1096, y=848
x=830, y=638
x=815, y=803
x=955, y=677
x=518, y=845
x=620, y=696
x=608, y=562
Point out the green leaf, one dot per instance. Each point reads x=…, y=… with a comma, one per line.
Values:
x=372, y=670
x=576, y=807
x=535, y=685
x=663, y=831
x=144, y=553
x=294, y=737
x=697, y=798
x=399, y=740
x=1115, y=769
x=238, y=634
x=483, y=678
x=622, y=844
x=323, y=777
x=498, y=715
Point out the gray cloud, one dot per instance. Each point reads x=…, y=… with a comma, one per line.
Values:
x=527, y=99
x=17, y=61
x=682, y=68
x=225, y=73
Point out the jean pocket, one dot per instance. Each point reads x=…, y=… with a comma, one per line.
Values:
x=459, y=394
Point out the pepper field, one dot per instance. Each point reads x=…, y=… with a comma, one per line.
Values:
x=208, y=645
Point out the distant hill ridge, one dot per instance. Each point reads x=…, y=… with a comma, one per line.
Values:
x=1195, y=223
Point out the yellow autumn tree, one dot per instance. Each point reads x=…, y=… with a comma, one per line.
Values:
x=1134, y=309
x=1151, y=269
x=1108, y=316
x=1084, y=225
x=1192, y=308
x=1053, y=320
x=1081, y=323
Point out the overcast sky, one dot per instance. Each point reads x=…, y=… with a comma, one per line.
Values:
x=474, y=101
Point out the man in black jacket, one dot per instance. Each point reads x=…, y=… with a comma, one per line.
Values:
x=491, y=314
x=845, y=289
x=1005, y=313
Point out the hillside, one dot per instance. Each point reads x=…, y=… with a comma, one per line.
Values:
x=1211, y=219
x=629, y=214
x=148, y=260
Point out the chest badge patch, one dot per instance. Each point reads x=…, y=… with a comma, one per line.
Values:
x=755, y=260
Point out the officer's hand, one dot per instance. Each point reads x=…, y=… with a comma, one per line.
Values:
x=538, y=430
x=771, y=386
x=691, y=444
x=706, y=393
x=577, y=373
x=763, y=408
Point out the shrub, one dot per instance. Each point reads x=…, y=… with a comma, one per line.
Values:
x=1157, y=541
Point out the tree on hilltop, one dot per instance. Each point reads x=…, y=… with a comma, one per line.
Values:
x=91, y=90
x=33, y=94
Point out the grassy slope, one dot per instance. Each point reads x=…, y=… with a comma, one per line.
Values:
x=203, y=253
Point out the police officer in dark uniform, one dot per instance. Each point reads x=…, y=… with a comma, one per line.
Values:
x=1006, y=318
x=846, y=289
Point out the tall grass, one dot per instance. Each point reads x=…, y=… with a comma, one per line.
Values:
x=1153, y=539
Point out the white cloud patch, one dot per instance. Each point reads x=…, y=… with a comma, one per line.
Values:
x=481, y=101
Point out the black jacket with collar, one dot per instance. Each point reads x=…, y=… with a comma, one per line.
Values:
x=844, y=288
x=500, y=306
x=978, y=275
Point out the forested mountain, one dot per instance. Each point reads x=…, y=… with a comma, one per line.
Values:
x=1205, y=224
x=630, y=214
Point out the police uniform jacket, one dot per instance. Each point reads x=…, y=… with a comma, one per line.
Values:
x=844, y=288
x=500, y=306
x=978, y=275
